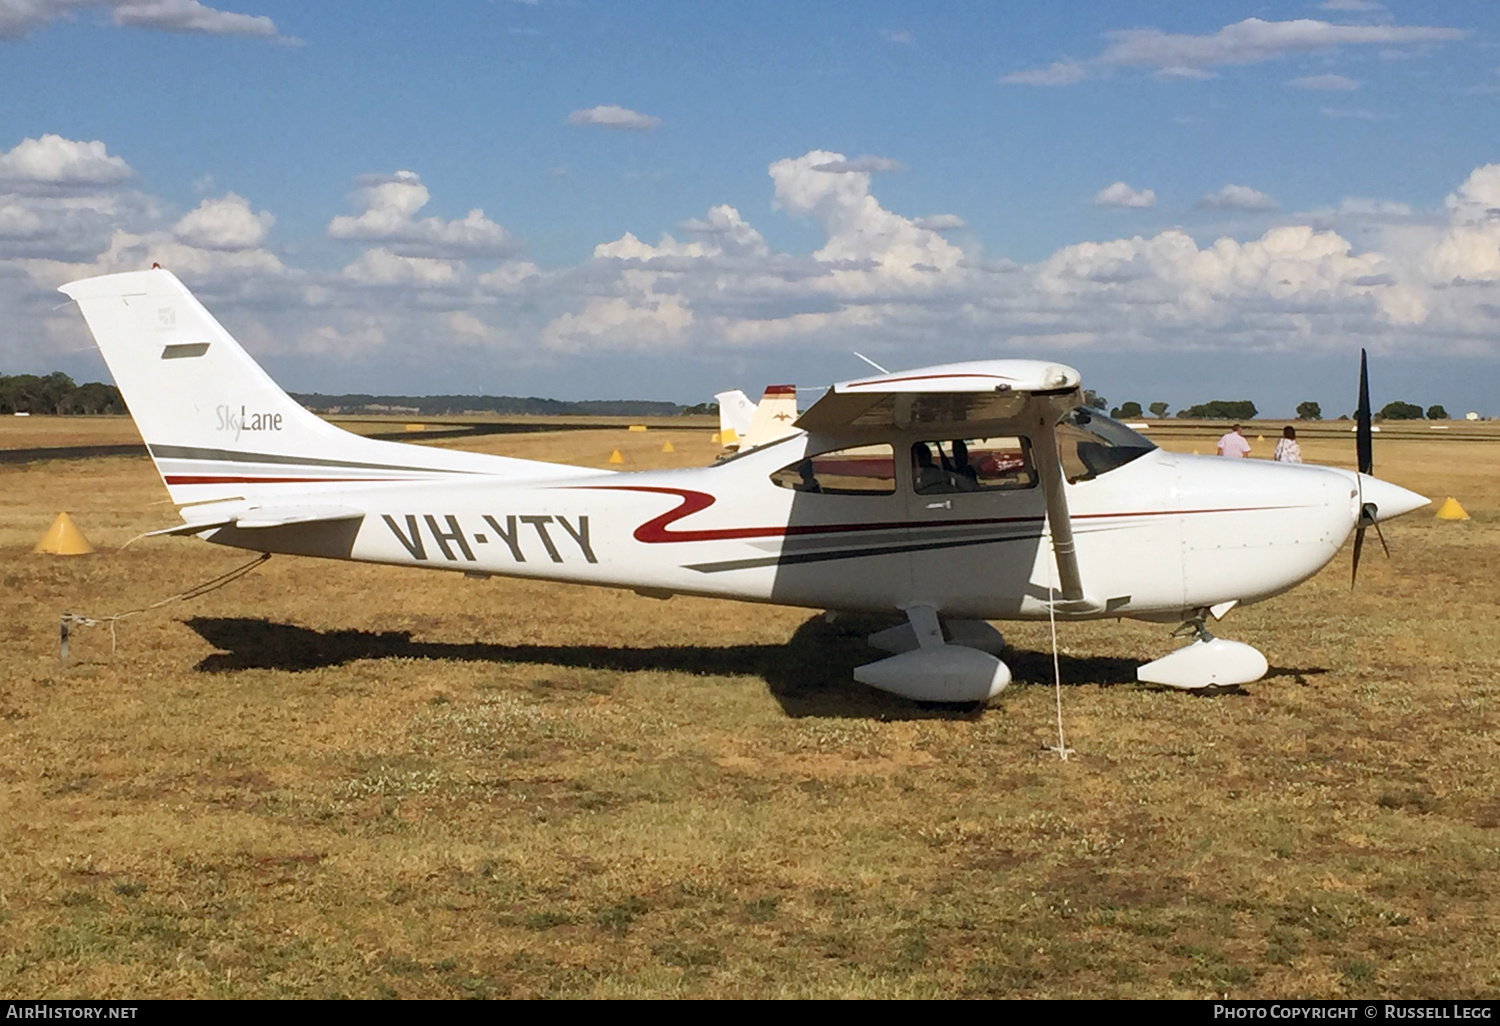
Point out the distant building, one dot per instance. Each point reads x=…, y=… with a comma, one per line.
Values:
x=1471, y=415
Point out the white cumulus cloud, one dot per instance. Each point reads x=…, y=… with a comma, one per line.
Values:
x=224, y=224
x=856, y=227
x=379, y=266
x=612, y=116
x=724, y=228
x=1470, y=247
x=53, y=163
x=388, y=203
x=18, y=17
x=1121, y=195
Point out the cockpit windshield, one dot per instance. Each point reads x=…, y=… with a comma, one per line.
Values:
x=1092, y=444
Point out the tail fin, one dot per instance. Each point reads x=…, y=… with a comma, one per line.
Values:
x=736, y=411
x=216, y=424
x=775, y=416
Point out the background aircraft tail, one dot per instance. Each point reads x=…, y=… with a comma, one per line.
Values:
x=216, y=424
x=775, y=416
x=736, y=411
x=744, y=425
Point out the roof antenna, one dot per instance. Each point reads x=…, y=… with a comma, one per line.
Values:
x=871, y=362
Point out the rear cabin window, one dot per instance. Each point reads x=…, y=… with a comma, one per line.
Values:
x=863, y=470
x=972, y=465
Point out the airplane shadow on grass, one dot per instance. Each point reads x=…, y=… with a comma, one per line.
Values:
x=811, y=675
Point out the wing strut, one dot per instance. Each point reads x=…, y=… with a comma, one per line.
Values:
x=1059, y=523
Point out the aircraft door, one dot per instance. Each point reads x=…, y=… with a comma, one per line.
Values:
x=976, y=511
x=845, y=544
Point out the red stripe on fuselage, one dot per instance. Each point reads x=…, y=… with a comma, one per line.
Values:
x=656, y=530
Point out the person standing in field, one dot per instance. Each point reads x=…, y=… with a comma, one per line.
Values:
x=1234, y=445
x=1287, y=449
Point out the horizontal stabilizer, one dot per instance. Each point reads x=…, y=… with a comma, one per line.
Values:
x=264, y=516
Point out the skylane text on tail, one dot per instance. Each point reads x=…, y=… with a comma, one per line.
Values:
x=955, y=494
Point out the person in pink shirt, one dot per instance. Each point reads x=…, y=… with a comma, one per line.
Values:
x=1234, y=444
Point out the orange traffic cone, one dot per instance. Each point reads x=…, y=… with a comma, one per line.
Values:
x=64, y=538
x=1451, y=510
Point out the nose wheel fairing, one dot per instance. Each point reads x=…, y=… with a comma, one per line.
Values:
x=1206, y=661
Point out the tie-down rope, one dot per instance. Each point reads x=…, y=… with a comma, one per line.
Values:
x=70, y=620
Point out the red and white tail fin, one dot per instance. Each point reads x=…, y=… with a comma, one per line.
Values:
x=775, y=416
x=216, y=424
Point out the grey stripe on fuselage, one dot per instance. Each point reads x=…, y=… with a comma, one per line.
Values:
x=792, y=558
x=187, y=452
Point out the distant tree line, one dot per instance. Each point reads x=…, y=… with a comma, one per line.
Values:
x=56, y=393
x=1217, y=409
x=1244, y=409
x=1397, y=410
x=446, y=405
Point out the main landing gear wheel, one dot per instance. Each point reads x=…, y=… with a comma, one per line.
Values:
x=929, y=668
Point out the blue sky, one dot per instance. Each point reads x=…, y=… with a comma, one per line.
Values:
x=1217, y=202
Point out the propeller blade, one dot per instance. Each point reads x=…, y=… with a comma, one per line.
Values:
x=1364, y=438
x=1359, y=543
x=1381, y=535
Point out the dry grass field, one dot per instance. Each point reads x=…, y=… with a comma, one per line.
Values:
x=332, y=779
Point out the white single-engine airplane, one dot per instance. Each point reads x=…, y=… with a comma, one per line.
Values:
x=954, y=494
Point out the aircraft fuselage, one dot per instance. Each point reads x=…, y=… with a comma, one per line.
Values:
x=1157, y=538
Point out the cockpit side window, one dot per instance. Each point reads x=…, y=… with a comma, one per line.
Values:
x=1092, y=444
x=942, y=467
x=861, y=470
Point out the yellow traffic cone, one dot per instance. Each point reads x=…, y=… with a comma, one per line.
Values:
x=615, y=457
x=64, y=538
x=668, y=448
x=1451, y=510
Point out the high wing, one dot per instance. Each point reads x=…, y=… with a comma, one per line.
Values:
x=957, y=394
x=974, y=398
